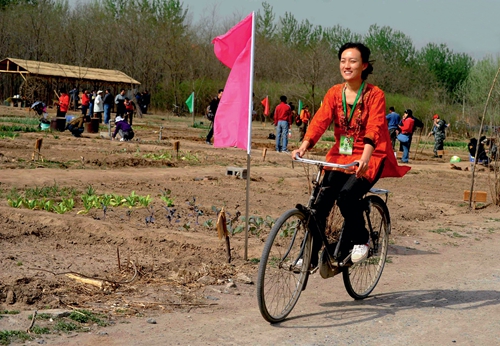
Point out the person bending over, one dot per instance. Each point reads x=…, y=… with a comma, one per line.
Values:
x=123, y=129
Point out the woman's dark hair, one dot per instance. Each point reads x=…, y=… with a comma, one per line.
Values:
x=365, y=56
x=409, y=112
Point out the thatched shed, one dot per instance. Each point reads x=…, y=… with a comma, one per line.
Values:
x=40, y=79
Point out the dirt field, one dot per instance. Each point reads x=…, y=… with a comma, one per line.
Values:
x=441, y=285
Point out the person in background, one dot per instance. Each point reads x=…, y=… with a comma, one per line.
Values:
x=145, y=100
x=393, y=120
x=214, y=105
x=120, y=103
x=98, y=106
x=108, y=105
x=91, y=103
x=85, y=102
x=63, y=104
x=75, y=126
x=138, y=100
x=438, y=130
x=123, y=129
x=74, y=97
x=357, y=110
x=406, y=129
x=282, y=122
x=305, y=116
x=129, y=110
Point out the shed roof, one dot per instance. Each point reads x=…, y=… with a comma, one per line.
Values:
x=31, y=67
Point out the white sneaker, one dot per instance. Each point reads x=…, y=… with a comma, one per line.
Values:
x=122, y=140
x=359, y=253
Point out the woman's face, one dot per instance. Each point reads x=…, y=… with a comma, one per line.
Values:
x=351, y=65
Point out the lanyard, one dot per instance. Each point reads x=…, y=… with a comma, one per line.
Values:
x=344, y=105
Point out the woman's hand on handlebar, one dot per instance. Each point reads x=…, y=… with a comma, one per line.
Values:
x=301, y=151
x=361, y=168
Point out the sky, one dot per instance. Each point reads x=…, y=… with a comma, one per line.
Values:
x=465, y=26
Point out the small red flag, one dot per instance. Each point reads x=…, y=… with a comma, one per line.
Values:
x=265, y=103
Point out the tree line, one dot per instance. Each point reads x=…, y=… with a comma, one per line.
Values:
x=158, y=43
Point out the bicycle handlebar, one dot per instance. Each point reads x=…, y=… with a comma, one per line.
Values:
x=324, y=163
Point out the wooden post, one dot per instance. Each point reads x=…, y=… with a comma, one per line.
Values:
x=418, y=143
x=37, y=151
x=177, y=145
x=161, y=128
x=264, y=152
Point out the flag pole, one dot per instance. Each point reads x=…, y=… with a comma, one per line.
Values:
x=192, y=103
x=249, y=143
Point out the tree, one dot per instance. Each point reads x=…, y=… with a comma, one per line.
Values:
x=449, y=68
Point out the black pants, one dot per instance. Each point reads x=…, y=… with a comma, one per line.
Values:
x=210, y=133
x=347, y=191
x=393, y=134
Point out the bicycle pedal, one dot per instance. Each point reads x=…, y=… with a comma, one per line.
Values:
x=314, y=270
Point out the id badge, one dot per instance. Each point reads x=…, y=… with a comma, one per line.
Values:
x=346, y=145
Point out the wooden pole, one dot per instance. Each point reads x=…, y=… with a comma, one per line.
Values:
x=264, y=152
x=419, y=136
x=177, y=145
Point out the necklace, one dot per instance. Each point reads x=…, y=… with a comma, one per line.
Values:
x=346, y=119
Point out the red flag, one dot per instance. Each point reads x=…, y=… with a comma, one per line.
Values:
x=265, y=103
x=232, y=127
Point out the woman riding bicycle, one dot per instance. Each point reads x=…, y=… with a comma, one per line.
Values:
x=357, y=110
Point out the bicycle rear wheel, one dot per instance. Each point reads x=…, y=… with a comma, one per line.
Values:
x=360, y=279
x=284, y=266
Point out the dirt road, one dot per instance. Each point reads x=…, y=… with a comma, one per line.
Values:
x=441, y=285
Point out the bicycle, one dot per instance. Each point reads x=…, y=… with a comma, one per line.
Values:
x=286, y=259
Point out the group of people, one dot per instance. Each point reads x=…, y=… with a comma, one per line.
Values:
x=94, y=105
x=402, y=129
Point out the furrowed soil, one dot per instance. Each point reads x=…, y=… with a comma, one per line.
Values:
x=164, y=274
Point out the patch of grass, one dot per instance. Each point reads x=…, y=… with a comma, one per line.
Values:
x=455, y=144
x=188, y=156
x=40, y=330
x=457, y=235
x=85, y=316
x=491, y=230
x=200, y=125
x=9, y=312
x=388, y=259
x=65, y=326
x=24, y=121
x=440, y=230
x=493, y=219
x=254, y=260
x=19, y=263
x=7, y=336
x=15, y=128
x=165, y=155
x=41, y=316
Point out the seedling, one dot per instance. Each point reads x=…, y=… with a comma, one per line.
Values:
x=170, y=213
x=150, y=219
x=165, y=197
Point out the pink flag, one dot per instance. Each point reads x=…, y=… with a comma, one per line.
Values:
x=232, y=127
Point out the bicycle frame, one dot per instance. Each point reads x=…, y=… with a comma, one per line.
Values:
x=315, y=194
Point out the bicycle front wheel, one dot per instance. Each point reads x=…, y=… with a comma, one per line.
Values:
x=360, y=279
x=284, y=266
